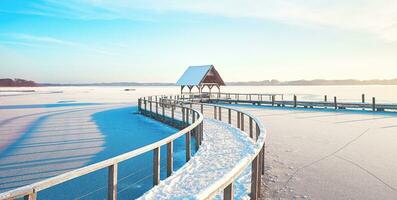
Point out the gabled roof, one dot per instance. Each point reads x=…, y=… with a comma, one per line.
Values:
x=195, y=75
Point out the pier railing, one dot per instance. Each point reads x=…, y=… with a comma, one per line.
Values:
x=161, y=111
x=247, y=123
x=294, y=101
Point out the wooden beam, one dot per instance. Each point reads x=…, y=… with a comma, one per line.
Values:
x=170, y=158
x=188, y=146
x=156, y=166
x=228, y=192
x=112, y=182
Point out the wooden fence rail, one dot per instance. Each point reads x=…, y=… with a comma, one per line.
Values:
x=279, y=100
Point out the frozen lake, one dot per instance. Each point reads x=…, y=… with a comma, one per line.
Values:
x=57, y=129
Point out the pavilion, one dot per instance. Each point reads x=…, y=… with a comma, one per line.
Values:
x=200, y=76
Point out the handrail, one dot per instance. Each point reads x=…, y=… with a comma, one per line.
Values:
x=30, y=191
x=256, y=160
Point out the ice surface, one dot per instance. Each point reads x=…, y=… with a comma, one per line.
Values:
x=320, y=154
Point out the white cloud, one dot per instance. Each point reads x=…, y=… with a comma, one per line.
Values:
x=374, y=17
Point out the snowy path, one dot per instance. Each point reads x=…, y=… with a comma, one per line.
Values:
x=317, y=154
x=223, y=147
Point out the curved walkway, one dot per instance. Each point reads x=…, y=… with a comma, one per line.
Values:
x=223, y=148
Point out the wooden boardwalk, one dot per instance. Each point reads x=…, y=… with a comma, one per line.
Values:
x=278, y=100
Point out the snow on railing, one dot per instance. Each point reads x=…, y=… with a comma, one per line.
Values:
x=194, y=126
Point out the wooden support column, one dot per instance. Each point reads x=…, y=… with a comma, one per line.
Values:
x=260, y=166
x=325, y=98
x=214, y=112
x=170, y=158
x=157, y=108
x=156, y=166
x=254, y=179
x=295, y=101
x=335, y=103
x=228, y=192
x=229, y=113
x=31, y=196
x=238, y=119
x=242, y=121
x=272, y=100
x=373, y=104
x=202, y=108
x=112, y=182
x=183, y=115
x=251, y=129
x=263, y=159
x=363, y=98
x=187, y=143
x=219, y=113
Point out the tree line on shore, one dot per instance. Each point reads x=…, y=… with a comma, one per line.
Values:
x=8, y=82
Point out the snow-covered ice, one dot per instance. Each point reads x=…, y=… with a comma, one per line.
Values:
x=327, y=154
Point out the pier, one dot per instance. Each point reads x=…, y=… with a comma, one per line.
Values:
x=280, y=101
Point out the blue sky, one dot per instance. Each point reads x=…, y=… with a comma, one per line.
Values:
x=154, y=41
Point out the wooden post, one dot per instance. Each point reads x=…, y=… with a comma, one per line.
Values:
x=157, y=107
x=325, y=98
x=156, y=166
x=170, y=159
x=258, y=131
x=263, y=163
x=139, y=104
x=172, y=113
x=238, y=119
x=373, y=104
x=273, y=100
x=251, y=128
x=187, y=143
x=214, y=112
x=254, y=179
x=163, y=112
x=187, y=115
x=260, y=166
x=145, y=102
x=242, y=121
x=295, y=101
x=31, y=196
x=112, y=182
x=150, y=103
x=201, y=108
x=363, y=98
x=335, y=103
x=183, y=115
x=220, y=113
x=228, y=192
x=229, y=113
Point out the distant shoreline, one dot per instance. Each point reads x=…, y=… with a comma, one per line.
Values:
x=316, y=82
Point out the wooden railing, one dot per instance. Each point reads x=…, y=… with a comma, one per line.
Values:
x=192, y=123
x=163, y=108
x=279, y=100
x=241, y=120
